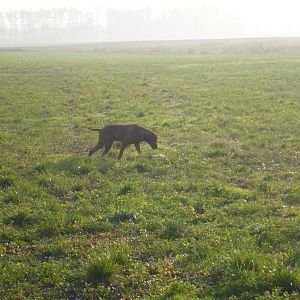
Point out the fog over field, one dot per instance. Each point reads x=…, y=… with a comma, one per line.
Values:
x=213, y=212
x=51, y=22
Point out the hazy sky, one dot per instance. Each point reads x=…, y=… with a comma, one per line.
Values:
x=261, y=17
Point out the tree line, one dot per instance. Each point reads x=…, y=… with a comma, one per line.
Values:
x=69, y=25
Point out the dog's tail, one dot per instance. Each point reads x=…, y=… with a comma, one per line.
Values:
x=95, y=129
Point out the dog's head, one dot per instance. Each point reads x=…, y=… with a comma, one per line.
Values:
x=152, y=140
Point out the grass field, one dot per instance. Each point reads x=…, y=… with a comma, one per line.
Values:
x=217, y=217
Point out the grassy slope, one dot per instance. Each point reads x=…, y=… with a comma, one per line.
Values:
x=218, y=216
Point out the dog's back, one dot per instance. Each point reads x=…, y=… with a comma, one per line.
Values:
x=124, y=133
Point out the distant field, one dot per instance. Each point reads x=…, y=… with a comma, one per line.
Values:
x=205, y=46
x=217, y=218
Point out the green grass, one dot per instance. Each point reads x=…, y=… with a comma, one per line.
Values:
x=216, y=217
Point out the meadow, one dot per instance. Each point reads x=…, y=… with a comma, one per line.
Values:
x=216, y=216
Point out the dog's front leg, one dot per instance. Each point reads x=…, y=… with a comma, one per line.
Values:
x=122, y=150
x=138, y=148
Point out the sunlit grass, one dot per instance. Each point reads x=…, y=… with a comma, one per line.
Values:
x=215, y=215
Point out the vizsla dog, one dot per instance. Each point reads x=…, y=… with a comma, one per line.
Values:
x=127, y=134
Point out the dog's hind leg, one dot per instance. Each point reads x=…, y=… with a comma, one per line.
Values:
x=97, y=147
x=106, y=149
x=138, y=148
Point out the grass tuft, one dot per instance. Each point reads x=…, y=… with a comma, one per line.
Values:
x=174, y=229
x=20, y=218
x=101, y=270
x=123, y=217
x=6, y=181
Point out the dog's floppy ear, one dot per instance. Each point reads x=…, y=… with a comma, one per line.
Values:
x=145, y=136
x=153, y=136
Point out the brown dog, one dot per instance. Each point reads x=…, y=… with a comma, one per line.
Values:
x=127, y=134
